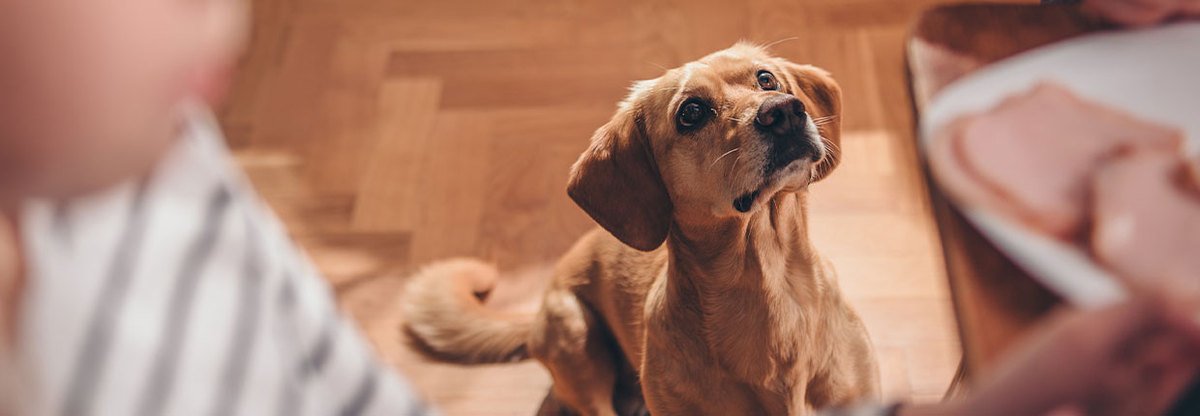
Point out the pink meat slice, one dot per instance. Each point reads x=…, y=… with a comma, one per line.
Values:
x=1147, y=217
x=1031, y=156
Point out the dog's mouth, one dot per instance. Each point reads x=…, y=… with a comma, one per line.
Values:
x=770, y=186
x=783, y=156
x=745, y=202
x=774, y=176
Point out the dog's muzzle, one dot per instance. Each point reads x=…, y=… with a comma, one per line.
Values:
x=782, y=120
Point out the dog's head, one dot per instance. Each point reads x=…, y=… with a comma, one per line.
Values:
x=712, y=139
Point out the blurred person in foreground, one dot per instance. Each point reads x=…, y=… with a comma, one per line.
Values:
x=140, y=274
x=152, y=280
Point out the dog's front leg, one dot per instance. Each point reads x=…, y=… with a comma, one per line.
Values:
x=798, y=404
x=571, y=343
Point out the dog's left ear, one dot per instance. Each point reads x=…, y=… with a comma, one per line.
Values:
x=616, y=181
x=823, y=98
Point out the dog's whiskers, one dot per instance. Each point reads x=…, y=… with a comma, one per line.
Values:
x=822, y=123
x=668, y=88
x=734, y=164
x=824, y=120
x=831, y=145
x=769, y=45
x=714, y=163
x=664, y=89
x=820, y=170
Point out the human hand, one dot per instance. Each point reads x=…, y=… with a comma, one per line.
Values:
x=1130, y=358
x=1142, y=12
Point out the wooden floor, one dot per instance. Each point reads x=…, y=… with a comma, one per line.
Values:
x=389, y=133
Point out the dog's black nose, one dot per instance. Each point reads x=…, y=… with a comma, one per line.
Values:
x=781, y=115
x=783, y=120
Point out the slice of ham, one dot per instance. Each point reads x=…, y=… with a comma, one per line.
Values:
x=1030, y=157
x=1147, y=217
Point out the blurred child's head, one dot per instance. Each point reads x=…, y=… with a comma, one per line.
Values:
x=90, y=89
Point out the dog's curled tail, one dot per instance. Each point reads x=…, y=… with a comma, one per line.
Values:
x=445, y=318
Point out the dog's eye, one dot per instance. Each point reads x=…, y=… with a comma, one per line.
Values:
x=691, y=114
x=767, y=81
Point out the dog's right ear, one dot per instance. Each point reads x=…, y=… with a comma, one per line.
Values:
x=616, y=181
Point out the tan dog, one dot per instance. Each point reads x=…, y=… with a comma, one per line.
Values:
x=736, y=314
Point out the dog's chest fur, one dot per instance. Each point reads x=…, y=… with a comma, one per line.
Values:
x=761, y=330
x=754, y=321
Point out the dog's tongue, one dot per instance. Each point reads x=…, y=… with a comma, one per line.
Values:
x=745, y=202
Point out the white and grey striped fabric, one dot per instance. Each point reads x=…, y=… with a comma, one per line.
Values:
x=181, y=294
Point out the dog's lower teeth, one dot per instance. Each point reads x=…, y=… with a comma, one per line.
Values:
x=745, y=202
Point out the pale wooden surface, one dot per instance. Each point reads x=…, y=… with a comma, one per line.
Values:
x=389, y=133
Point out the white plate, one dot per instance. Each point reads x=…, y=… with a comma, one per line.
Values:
x=1153, y=74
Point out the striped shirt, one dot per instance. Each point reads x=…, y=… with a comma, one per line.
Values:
x=181, y=294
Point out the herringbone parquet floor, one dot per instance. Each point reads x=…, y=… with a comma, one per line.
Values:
x=389, y=133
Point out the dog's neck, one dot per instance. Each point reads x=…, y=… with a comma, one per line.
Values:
x=743, y=250
x=747, y=281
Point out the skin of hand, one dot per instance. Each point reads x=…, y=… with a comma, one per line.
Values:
x=1133, y=357
x=1139, y=13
